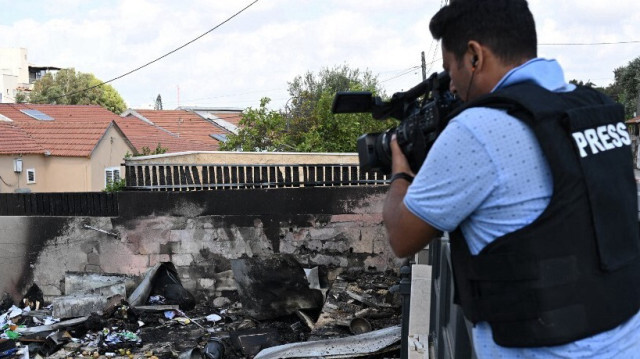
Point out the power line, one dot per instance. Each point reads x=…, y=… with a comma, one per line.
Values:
x=161, y=57
x=590, y=43
x=407, y=71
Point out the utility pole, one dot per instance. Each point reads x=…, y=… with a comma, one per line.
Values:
x=424, y=68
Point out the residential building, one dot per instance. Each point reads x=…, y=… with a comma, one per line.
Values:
x=633, y=125
x=16, y=74
x=59, y=148
x=180, y=130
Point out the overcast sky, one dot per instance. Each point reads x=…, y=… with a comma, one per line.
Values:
x=258, y=52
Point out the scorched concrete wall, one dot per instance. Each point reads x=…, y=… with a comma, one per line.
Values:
x=200, y=232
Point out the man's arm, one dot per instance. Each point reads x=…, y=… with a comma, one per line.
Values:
x=408, y=234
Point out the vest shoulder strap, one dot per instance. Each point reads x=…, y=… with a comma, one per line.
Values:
x=532, y=103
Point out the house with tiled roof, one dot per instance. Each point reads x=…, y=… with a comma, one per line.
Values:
x=180, y=130
x=59, y=148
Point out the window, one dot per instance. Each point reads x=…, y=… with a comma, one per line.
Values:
x=37, y=115
x=31, y=175
x=112, y=174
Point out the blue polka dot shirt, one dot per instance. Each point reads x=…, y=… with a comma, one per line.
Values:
x=486, y=173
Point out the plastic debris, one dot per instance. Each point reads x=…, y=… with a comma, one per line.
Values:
x=10, y=334
x=156, y=299
x=213, y=318
x=214, y=349
x=9, y=352
x=14, y=312
x=182, y=320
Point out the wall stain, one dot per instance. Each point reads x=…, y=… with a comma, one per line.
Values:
x=40, y=231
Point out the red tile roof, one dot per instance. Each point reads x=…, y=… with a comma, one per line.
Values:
x=13, y=140
x=178, y=130
x=233, y=117
x=634, y=120
x=142, y=134
x=185, y=124
x=75, y=130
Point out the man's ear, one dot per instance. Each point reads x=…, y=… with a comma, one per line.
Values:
x=474, y=51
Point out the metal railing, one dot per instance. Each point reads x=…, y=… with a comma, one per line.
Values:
x=98, y=204
x=198, y=177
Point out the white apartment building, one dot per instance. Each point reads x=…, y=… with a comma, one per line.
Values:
x=16, y=74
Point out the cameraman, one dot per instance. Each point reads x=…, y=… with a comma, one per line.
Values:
x=533, y=180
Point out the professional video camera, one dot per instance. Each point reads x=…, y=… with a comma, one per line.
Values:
x=421, y=121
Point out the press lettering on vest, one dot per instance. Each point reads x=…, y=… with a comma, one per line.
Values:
x=601, y=138
x=622, y=130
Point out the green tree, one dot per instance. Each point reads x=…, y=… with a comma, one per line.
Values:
x=21, y=97
x=626, y=87
x=115, y=186
x=146, y=151
x=67, y=87
x=261, y=129
x=606, y=90
x=307, y=124
x=582, y=83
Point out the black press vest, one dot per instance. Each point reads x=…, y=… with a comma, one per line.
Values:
x=574, y=271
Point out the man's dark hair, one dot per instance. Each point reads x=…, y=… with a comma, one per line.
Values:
x=505, y=26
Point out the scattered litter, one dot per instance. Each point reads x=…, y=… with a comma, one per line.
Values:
x=359, y=326
x=193, y=353
x=214, y=349
x=156, y=299
x=9, y=352
x=14, y=312
x=182, y=320
x=158, y=327
x=363, y=345
x=169, y=314
x=214, y=318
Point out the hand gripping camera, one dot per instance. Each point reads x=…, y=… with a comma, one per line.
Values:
x=421, y=121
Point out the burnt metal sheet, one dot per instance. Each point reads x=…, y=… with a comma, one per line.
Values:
x=349, y=347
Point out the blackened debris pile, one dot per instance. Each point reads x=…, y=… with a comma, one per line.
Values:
x=272, y=306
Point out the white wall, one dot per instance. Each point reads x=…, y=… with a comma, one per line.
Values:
x=8, y=85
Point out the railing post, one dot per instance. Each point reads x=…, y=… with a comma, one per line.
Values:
x=404, y=289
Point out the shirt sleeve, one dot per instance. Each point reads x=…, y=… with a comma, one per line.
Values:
x=457, y=176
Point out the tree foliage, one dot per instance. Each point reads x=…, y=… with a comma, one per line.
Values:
x=261, y=129
x=626, y=87
x=146, y=151
x=115, y=186
x=307, y=124
x=67, y=87
x=582, y=83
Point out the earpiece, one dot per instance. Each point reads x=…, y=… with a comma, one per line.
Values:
x=474, y=62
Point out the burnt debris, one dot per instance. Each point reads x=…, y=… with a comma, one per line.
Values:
x=273, y=307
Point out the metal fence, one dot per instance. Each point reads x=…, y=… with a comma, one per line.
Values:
x=197, y=177
x=98, y=204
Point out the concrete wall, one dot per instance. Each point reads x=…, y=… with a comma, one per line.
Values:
x=14, y=62
x=199, y=232
x=8, y=85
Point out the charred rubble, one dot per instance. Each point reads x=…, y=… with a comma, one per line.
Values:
x=277, y=306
